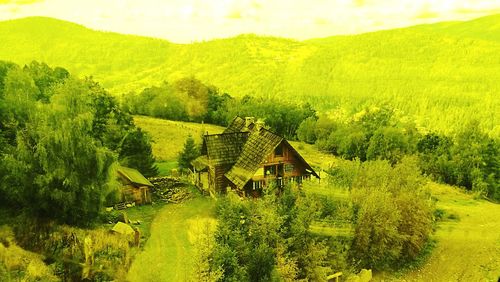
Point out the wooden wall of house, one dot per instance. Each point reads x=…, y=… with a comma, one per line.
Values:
x=221, y=182
x=211, y=180
x=292, y=165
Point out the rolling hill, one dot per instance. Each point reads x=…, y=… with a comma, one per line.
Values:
x=438, y=73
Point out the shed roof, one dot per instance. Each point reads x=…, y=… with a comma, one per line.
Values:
x=134, y=176
x=200, y=162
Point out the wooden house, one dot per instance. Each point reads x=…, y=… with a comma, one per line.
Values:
x=247, y=157
x=136, y=188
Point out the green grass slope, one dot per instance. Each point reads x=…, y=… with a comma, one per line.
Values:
x=169, y=136
x=468, y=248
x=168, y=254
x=440, y=73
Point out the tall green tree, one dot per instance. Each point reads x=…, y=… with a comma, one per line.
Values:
x=61, y=172
x=194, y=94
x=136, y=152
x=190, y=152
x=45, y=77
x=392, y=212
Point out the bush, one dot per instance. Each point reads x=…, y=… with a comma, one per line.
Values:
x=393, y=214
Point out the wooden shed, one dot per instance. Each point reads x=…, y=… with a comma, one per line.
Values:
x=136, y=188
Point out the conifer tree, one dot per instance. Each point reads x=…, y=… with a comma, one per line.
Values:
x=188, y=154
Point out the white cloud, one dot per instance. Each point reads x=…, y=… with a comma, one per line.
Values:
x=190, y=20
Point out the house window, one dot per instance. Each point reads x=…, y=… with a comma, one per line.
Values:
x=278, y=151
x=270, y=170
x=257, y=185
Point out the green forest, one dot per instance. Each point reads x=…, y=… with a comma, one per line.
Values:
x=449, y=67
x=402, y=125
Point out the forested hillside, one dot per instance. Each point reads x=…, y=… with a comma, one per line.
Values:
x=437, y=73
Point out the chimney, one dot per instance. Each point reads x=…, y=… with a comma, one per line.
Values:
x=249, y=121
x=259, y=124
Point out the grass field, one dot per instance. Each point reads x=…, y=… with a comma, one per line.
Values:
x=467, y=249
x=169, y=136
x=145, y=214
x=167, y=255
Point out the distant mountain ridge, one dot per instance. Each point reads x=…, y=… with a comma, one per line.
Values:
x=450, y=67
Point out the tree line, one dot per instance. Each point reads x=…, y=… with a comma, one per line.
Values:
x=189, y=99
x=59, y=137
x=469, y=158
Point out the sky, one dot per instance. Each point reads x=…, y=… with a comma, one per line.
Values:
x=185, y=21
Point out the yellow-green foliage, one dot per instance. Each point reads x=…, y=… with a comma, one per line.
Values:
x=168, y=136
x=99, y=253
x=393, y=214
x=17, y=264
x=438, y=73
x=76, y=253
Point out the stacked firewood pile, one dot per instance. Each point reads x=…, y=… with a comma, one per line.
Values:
x=170, y=189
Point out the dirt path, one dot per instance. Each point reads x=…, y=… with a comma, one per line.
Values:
x=467, y=249
x=167, y=254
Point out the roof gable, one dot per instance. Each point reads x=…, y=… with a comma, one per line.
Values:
x=306, y=164
x=134, y=176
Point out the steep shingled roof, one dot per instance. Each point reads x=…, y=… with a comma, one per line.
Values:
x=239, y=124
x=134, y=176
x=244, y=147
x=236, y=125
x=224, y=148
x=260, y=144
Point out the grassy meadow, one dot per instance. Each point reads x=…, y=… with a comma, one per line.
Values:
x=168, y=136
x=468, y=242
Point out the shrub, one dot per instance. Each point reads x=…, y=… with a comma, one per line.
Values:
x=393, y=214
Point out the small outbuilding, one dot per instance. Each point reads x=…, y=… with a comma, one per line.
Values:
x=136, y=188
